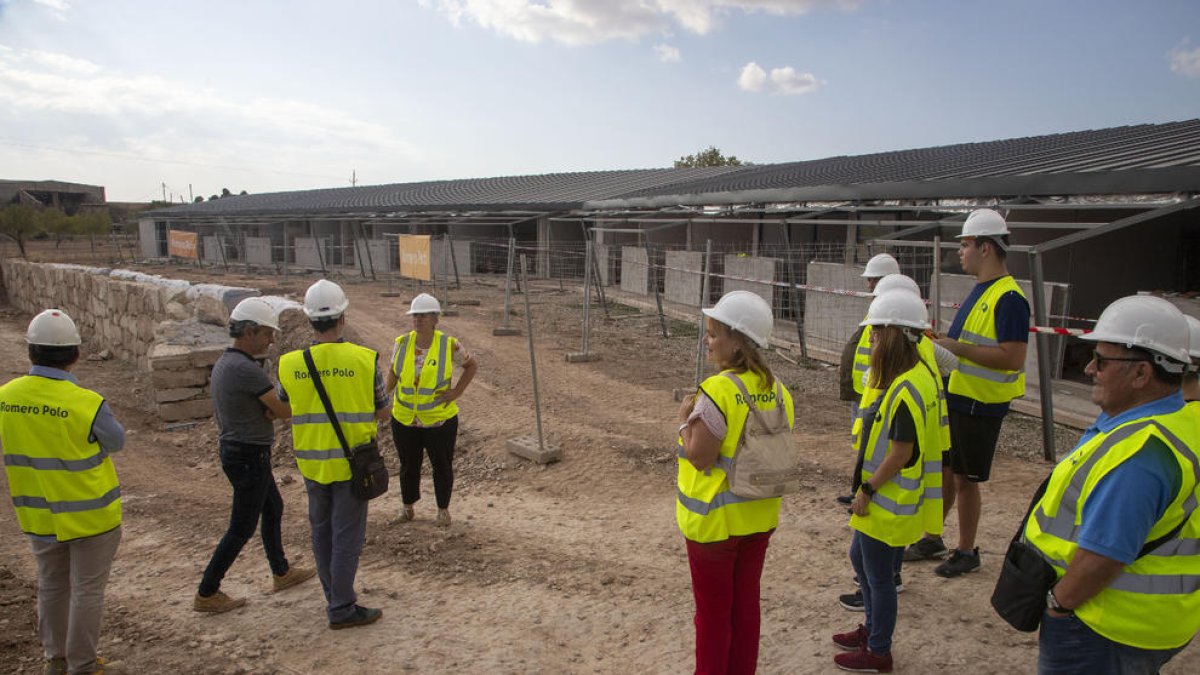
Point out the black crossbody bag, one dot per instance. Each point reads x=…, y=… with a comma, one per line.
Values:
x=368, y=473
x=1026, y=577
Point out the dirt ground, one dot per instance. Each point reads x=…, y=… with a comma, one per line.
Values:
x=575, y=567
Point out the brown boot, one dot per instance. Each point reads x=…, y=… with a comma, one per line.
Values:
x=216, y=603
x=294, y=575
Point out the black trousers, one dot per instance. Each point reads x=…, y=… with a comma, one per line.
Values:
x=411, y=445
x=255, y=497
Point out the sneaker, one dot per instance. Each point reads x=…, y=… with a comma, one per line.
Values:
x=851, y=602
x=926, y=548
x=864, y=661
x=443, y=518
x=854, y=640
x=845, y=499
x=406, y=514
x=959, y=563
x=216, y=603
x=361, y=617
x=294, y=575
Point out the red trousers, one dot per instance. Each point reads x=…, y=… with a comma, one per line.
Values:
x=725, y=585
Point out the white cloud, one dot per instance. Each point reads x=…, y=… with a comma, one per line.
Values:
x=58, y=8
x=667, y=53
x=753, y=77
x=1185, y=61
x=783, y=80
x=580, y=22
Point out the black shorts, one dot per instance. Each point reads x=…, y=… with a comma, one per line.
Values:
x=973, y=444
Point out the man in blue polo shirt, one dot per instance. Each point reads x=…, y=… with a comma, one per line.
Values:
x=989, y=336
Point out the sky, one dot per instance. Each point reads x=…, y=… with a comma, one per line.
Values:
x=152, y=98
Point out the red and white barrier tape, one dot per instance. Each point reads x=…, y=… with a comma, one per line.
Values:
x=1059, y=331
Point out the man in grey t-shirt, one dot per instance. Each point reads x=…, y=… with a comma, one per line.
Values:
x=245, y=403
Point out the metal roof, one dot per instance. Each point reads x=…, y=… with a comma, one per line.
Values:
x=1142, y=159
x=545, y=192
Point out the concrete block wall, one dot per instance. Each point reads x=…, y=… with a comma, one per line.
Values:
x=258, y=251
x=684, y=277
x=635, y=270
x=754, y=274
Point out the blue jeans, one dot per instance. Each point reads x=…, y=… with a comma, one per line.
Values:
x=255, y=497
x=339, y=525
x=875, y=563
x=1067, y=646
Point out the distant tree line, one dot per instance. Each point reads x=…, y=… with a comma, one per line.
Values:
x=224, y=193
x=20, y=223
x=710, y=156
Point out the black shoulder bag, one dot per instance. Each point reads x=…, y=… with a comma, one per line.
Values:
x=1026, y=577
x=368, y=473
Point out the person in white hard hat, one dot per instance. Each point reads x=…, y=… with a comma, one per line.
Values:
x=424, y=412
x=245, y=403
x=726, y=535
x=1191, y=379
x=901, y=456
x=856, y=355
x=989, y=335
x=1118, y=521
x=72, y=517
x=350, y=376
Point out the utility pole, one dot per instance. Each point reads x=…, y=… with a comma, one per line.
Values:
x=191, y=197
x=353, y=177
x=164, y=187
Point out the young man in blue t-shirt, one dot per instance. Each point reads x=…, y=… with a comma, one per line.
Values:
x=989, y=335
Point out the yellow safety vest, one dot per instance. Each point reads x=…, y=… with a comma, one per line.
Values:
x=62, y=485
x=705, y=508
x=970, y=379
x=1155, y=602
x=348, y=372
x=911, y=501
x=416, y=400
x=862, y=360
x=925, y=352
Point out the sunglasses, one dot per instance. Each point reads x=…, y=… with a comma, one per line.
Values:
x=1101, y=360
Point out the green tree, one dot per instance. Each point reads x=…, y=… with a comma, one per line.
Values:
x=56, y=223
x=19, y=222
x=709, y=157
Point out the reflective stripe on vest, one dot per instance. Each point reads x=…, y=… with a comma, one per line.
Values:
x=862, y=360
x=1154, y=603
x=416, y=400
x=348, y=374
x=705, y=509
x=976, y=381
x=906, y=505
x=62, y=485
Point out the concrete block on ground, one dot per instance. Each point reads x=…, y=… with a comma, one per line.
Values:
x=635, y=271
x=684, y=277
x=165, y=379
x=582, y=357
x=527, y=447
x=170, y=357
x=197, y=408
x=502, y=330
x=175, y=394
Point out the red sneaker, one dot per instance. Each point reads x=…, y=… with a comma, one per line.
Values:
x=864, y=661
x=854, y=640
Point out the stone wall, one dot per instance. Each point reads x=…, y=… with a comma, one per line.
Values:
x=173, y=329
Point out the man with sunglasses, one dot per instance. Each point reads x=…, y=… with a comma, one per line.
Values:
x=989, y=335
x=1118, y=521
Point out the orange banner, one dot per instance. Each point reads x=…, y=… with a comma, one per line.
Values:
x=182, y=244
x=414, y=256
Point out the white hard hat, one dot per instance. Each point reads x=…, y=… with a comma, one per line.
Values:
x=425, y=304
x=896, y=282
x=897, y=308
x=53, y=328
x=257, y=310
x=1147, y=322
x=985, y=223
x=881, y=265
x=324, y=299
x=1193, y=338
x=745, y=312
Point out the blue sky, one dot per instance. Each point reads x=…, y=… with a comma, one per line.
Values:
x=266, y=96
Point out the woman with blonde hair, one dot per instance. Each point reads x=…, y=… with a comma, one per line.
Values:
x=899, y=495
x=727, y=535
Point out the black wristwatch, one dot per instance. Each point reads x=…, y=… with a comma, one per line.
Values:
x=867, y=489
x=1052, y=604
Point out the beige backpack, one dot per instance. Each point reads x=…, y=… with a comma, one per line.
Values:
x=765, y=463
